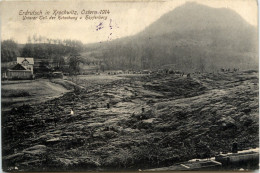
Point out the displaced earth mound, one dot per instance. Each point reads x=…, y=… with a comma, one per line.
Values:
x=134, y=123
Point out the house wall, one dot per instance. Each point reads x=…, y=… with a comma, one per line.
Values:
x=88, y=68
x=29, y=67
x=19, y=74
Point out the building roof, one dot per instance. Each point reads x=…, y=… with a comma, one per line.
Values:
x=18, y=67
x=21, y=59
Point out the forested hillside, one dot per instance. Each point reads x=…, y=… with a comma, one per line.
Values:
x=51, y=49
x=191, y=37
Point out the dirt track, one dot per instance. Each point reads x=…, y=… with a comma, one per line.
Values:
x=151, y=121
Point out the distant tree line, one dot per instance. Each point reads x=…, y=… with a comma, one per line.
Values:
x=46, y=49
x=39, y=47
x=9, y=51
x=123, y=56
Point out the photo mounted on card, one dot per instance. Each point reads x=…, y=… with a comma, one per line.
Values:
x=129, y=85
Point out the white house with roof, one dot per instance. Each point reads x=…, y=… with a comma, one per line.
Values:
x=22, y=70
x=26, y=62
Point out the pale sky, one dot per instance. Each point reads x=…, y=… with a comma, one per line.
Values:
x=126, y=18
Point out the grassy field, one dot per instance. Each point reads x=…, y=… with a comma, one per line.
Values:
x=134, y=122
x=17, y=93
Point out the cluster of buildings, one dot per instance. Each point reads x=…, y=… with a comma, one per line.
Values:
x=27, y=68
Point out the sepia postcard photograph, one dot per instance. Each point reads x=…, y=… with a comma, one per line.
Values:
x=127, y=85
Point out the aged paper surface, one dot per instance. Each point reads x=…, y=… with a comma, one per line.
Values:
x=129, y=85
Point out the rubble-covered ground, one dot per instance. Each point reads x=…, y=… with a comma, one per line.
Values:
x=134, y=122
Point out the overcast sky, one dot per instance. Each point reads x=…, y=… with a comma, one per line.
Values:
x=126, y=18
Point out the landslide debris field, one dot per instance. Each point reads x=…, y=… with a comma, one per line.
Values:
x=151, y=121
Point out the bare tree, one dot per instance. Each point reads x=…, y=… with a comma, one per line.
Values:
x=40, y=39
x=29, y=39
x=201, y=65
x=35, y=38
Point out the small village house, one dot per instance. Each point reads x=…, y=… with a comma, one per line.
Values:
x=22, y=70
